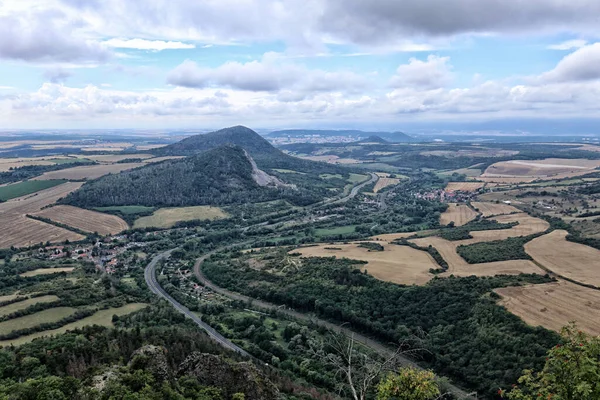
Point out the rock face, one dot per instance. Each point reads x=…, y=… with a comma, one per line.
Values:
x=153, y=359
x=231, y=377
x=261, y=177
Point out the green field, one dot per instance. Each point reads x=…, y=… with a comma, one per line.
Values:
x=102, y=317
x=288, y=171
x=356, y=178
x=125, y=210
x=167, y=217
x=31, y=320
x=20, y=305
x=330, y=176
x=338, y=230
x=24, y=188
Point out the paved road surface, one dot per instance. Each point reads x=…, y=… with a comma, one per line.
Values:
x=151, y=281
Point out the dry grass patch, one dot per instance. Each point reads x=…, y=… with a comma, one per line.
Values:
x=397, y=264
x=11, y=308
x=385, y=182
x=489, y=209
x=31, y=320
x=167, y=217
x=85, y=220
x=390, y=237
x=88, y=171
x=47, y=271
x=102, y=317
x=464, y=186
x=21, y=231
x=460, y=214
x=528, y=225
x=571, y=260
x=459, y=267
x=113, y=158
x=159, y=159
x=554, y=305
x=550, y=168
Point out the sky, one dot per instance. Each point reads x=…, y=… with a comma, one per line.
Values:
x=296, y=63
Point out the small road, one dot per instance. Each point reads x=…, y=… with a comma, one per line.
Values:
x=152, y=282
x=385, y=351
x=356, y=189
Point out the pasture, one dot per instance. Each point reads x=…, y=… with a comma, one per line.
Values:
x=15, y=190
x=572, y=260
x=85, y=220
x=167, y=217
x=489, y=209
x=464, y=186
x=460, y=214
x=31, y=320
x=21, y=305
x=102, y=317
x=46, y=271
x=554, y=305
x=87, y=172
x=397, y=264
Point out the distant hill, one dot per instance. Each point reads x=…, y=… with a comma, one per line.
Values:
x=220, y=176
x=374, y=139
x=389, y=136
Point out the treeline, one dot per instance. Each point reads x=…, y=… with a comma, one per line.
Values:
x=433, y=252
x=495, y=250
x=462, y=232
x=471, y=338
x=31, y=171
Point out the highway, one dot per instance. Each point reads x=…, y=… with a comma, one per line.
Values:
x=152, y=282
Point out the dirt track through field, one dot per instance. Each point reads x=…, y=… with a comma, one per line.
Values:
x=85, y=220
x=554, y=305
x=460, y=214
x=398, y=264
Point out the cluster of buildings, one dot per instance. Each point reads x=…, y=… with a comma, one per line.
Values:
x=445, y=196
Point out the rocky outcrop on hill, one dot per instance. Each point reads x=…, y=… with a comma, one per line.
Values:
x=153, y=359
x=230, y=376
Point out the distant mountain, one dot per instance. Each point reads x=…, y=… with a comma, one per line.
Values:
x=299, y=133
x=224, y=175
x=374, y=139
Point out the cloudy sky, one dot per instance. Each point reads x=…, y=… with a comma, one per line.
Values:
x=335, y=63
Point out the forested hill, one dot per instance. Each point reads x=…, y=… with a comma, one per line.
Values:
x=374, y=139
x=216, y=177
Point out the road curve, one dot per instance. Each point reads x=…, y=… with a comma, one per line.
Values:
x=385, y=351
x=152, y=282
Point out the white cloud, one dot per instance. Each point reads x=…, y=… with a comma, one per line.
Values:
x=581, y=65
x=568, y=45
x=430, y=74
x=143, y=44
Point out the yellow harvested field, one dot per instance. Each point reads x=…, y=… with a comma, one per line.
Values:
x=385, y=182
x=489, y=209
x=550, y=168
x=459, y=267
x=390, y=237
x=21, y=305
x=554, y=305
x=332, y=159
x=31, y=320
x=143, y=147
x=571, y=260
x=102, y=317
x=398, y=264
x=8, y=297
x=85, y=220
x=589, y=147
x=167, y=217
x=47, y=271
x=87, y=171
x=113, y=158
x=159, y=159
x=460, y=214
x=21, y=231
x=464, y=186
x=528, y=225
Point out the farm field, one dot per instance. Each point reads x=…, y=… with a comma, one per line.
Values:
x=46, y=271
x=384, y=182
x=528, y=225
x=572, y=260
x=7, y=163
x=554, y=305
x=85, y=220
x=397, y=264
x=159, y=159
x=332, y=159
x=113, y=158
x=22, y=231
x=471, y=172
x=167, y=217
x=390, y=237
x=527, y=171
x=87, y=171
x=460, y=214
x=31, y=320
x=459, y=267
x=20, y=305
x=489, y=209
x=464, y=186
x=126, y=210
x=102, y=317
x=337, y=230
x=15, y=190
